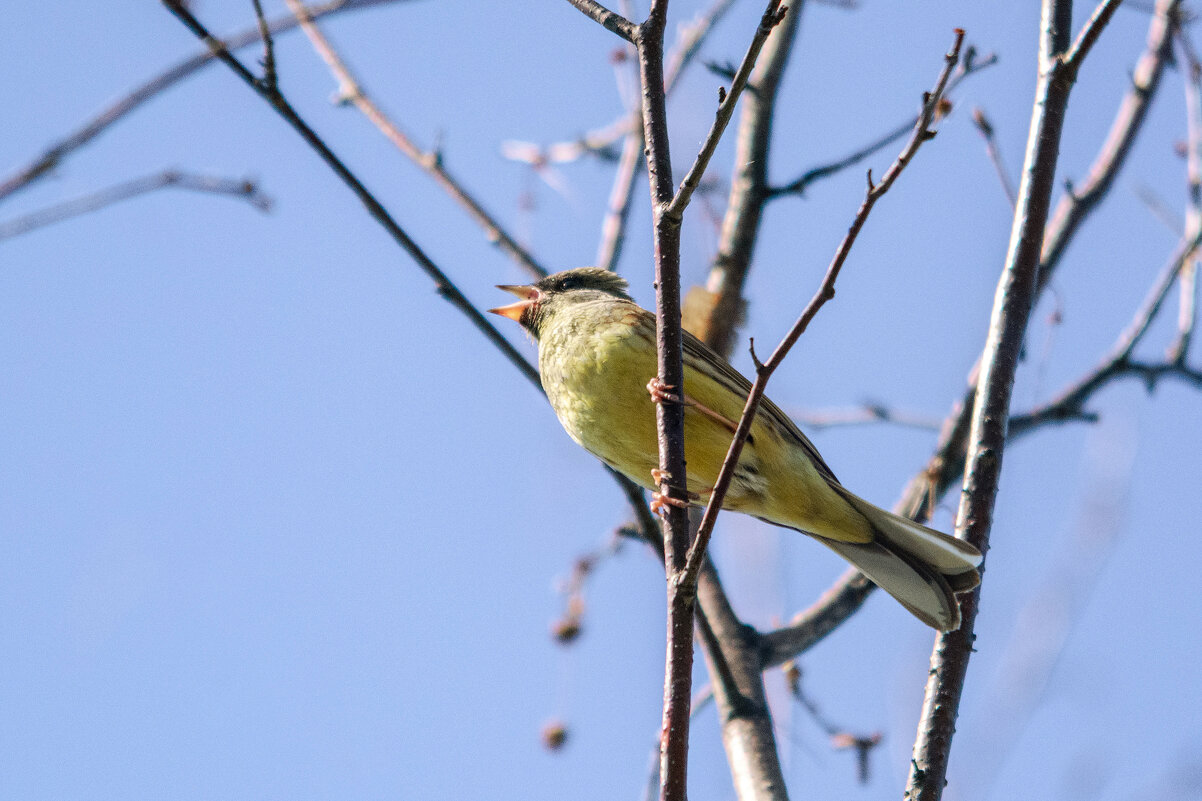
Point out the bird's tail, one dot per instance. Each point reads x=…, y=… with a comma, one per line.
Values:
x=919, y=566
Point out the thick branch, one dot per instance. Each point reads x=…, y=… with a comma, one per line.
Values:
x=610, y=20
x=1015, y=297
x=944, y=468
x=674, y=741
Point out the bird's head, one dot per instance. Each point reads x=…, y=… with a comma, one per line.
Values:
x=557, y=291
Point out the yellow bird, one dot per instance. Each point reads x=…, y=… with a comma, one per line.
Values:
x=596, y=354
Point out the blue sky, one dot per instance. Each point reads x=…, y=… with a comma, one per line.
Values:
x=278, y=523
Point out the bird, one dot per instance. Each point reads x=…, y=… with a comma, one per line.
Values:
x=598, y=365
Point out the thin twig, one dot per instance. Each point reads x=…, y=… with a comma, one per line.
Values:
x=944, y=468
x=613, y=225
x=1016, y=293
x=276, y=100
x=772, y=17
x=1187, y=309
x=970, y=65
x=351, y=90
x=1069, y=404
x=922, y=133
x=600, y=141
x=270, y=79
x=985, y=127
x=245, y=189
x=1076, y=205
x=717, y=322
x=865, y=414
x=610, y=20
x=53, y=157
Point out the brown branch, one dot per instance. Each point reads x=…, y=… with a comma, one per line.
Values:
x=944, y=467
x=613, y=226
x=610, y=20
x=970, y=65
x=54, y=156
x=773, y=15
x=748, y=190
x=922, y=133
x=245, y=189
x=1120, y=362
x=272, y=96
x=1076, y=205
x=985, y=127
x=600, y=141
x=350, y=90
x=674, y=737
x=1016, y=293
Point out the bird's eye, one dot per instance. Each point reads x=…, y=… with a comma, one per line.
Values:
x=569, y=283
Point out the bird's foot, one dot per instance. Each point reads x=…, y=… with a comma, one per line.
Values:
x=661, y=392
x=660, y=502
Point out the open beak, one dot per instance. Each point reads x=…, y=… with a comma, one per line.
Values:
x=514, y=311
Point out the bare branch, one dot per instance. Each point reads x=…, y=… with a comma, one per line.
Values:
x=1016, y=293
x=922, y=133
x=772, y=17
x=1089, y=35
x=613, y=226
x=1187, y=310
x=610, y=20
x=985, y=127
x=748, y=191
x=943, y=469
x=1070, y=403
x=245, y=189
x=1075, y=206
x=270, y=79
x=276, y=100
x=970, y=65
x=674, y=742
x=54, y=156
x=351, y=90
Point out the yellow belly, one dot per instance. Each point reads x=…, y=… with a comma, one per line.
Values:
x=595, y=367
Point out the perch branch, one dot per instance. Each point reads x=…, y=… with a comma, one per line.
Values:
x=922, y=133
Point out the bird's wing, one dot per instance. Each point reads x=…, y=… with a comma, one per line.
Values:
x=737, y=383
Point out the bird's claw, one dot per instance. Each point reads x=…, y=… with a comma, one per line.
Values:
x=659, y=502
x=661, y=392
